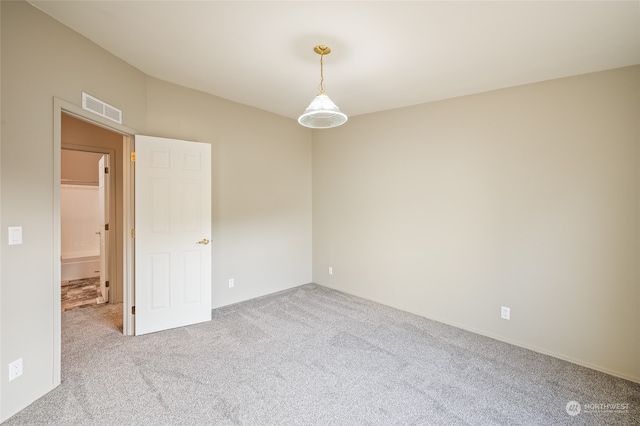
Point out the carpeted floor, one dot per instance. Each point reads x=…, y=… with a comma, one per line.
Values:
x=314, y=356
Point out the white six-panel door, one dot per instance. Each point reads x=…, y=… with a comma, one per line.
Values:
x=172, y=233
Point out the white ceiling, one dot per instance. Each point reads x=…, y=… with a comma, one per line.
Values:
x=386, y=54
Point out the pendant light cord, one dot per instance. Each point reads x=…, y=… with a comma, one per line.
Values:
x=321, y=86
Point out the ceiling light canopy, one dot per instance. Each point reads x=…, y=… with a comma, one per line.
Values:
x=322, y=113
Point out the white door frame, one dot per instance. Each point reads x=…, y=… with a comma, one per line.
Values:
x=59, y=107
x=105, y=203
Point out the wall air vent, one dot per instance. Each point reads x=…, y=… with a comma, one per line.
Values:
x=101, y=108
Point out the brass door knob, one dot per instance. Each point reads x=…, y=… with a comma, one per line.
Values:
x=205, y=242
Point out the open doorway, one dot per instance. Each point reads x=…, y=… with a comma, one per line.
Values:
x=84, y=225
x=74, y=128
x=91, y=214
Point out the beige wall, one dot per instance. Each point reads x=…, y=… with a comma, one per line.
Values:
x=261, y=182
x=80, y=166
x=525, y=197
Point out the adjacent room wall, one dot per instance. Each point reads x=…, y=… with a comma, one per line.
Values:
x=525, y=197
x=80, y=167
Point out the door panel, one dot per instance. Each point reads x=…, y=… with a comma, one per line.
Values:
x=172, y=219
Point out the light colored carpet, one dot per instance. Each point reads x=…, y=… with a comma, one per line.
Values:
x=314, y=356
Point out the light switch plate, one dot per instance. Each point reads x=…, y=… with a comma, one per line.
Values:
x=15, y=235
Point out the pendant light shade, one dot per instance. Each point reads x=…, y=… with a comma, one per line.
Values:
x=322, y=113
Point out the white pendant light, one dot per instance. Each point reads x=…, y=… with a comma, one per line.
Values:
x=322, y=113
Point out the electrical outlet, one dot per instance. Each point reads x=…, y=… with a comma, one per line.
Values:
x=330, y=270
x=15, y=369
x=232, y=282
x=505, y=313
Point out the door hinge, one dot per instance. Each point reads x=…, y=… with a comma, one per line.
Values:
x=133, y=156
x=133, y=310
x=106, y=170
x=106, y=227
x=106, y=283
x=133, y=233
